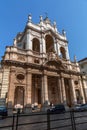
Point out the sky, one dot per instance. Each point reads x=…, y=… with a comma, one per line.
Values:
x=70, y=15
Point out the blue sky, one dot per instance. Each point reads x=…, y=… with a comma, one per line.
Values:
x=70, y=15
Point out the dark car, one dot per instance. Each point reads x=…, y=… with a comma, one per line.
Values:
x=3, y=111
x=59, y=108
x=81, y=107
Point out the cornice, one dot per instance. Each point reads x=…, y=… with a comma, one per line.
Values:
x=40, y=67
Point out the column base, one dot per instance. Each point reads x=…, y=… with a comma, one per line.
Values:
x=45, y=106
x=10, y=108
x=27, y=108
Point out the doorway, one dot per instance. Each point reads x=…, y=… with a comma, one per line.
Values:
x=19, y=96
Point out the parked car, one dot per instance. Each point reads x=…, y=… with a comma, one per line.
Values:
x=59, y=108
x=75, y=107
x=81, y=107
x=3, y=111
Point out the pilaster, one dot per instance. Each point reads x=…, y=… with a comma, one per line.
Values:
x=29, y=40
x=60, y=90
x=11, y=89
x=28, y=86
x=44, y=88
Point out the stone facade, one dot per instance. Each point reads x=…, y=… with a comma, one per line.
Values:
x=37, y=68
x=83, y=69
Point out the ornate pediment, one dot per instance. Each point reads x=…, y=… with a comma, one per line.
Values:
x=54, y=64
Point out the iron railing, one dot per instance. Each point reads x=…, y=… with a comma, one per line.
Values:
x=71, y=120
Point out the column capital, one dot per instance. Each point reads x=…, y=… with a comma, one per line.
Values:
x=45, y=72
x=12, y=69
x=28, y=71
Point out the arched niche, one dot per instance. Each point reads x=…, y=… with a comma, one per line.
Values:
x=49, y=44
x=63, y=52
x=36, y=45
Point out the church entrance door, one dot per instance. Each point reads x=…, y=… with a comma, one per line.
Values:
x=53, y=92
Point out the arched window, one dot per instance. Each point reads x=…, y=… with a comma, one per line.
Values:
x=63, y=52
x=49, y=44
x=36, y=45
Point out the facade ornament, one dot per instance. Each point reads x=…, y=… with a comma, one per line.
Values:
x=15, y=42
x=54, y=23
x=75, y=59
x=63, y=32
x=41, y=18
x=29, y=18
x=41, y=22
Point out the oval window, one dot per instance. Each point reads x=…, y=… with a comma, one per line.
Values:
x=20, y=76
x=76, y=82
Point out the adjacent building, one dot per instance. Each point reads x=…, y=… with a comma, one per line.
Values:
x=83, y=69
x=37, y=68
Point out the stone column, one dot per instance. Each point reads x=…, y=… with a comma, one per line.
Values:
x=74, y=99
x=45, y=101
x=43, y=44
x=63, y=90
x=58, y=45
x=44, y=89
x=60, y=90
x=84, y=84
x=28, y=92
x=55, y=46
x=81, y=91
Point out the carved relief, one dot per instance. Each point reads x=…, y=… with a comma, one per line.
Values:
x=55, y=65
x=73, y=68
x=21, y=58
x=52, y=56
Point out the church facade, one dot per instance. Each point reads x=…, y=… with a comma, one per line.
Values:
x=37, y=68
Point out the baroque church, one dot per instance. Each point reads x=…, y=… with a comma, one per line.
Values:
x=37, y=68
